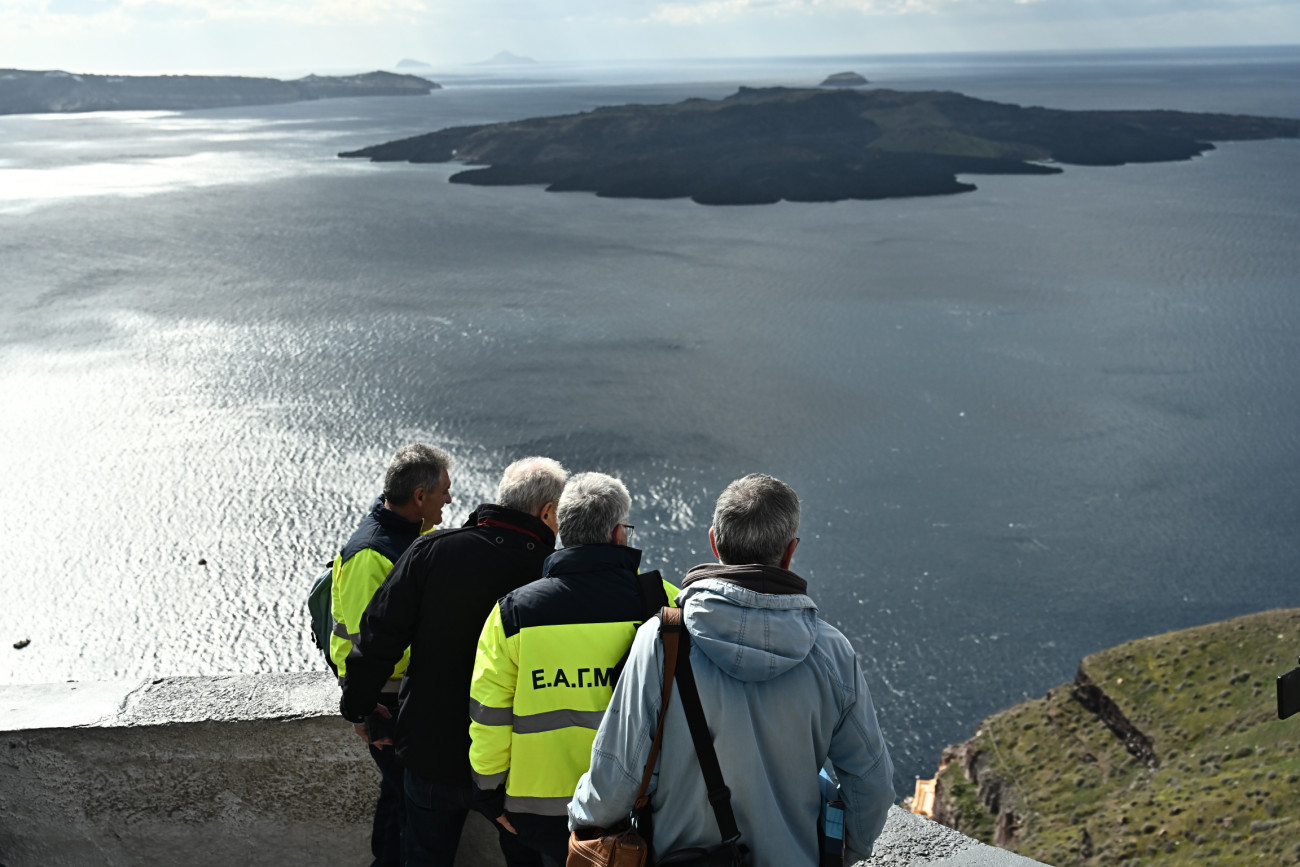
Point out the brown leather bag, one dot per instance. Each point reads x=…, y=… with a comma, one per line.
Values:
x=624, y=846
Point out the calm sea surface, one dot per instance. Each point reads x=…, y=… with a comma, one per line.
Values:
x=1026, y=423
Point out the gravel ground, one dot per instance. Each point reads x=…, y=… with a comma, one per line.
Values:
x=909, y=840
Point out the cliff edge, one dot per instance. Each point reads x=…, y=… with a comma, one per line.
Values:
x=1163, y=751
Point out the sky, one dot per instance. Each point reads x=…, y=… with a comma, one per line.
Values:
x=125, y=36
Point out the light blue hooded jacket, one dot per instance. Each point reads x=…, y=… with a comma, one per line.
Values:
x=782, y=692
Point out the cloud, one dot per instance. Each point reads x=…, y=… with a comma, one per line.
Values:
x=714, y=11
x=80, y=7
x=302, y=12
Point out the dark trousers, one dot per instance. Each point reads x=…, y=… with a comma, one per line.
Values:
x=390, y=816
x=435, y=817
x=546, y=835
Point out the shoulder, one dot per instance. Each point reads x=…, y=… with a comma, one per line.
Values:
x=644, y=667
x=834, y=654
x=832, y=643
x=443, y=542
x=367, y=536
x=543, y=602
x=379, y=532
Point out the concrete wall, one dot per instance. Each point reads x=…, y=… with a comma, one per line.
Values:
x=238, y=770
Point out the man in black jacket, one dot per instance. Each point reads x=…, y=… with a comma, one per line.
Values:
x=435, y=601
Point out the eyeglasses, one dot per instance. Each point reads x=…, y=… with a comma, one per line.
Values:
x=627, y=531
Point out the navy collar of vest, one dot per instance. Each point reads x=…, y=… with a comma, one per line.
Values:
x=592, y=558
x=393, y=521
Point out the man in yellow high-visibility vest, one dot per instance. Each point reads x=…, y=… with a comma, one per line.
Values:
x=417, y=485
x=547, y=661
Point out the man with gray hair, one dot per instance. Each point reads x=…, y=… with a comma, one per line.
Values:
x=434, y=601
x=570, y=629
x=417, y=485
x=782, y=694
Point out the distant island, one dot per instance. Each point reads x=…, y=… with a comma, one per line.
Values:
x=1166, y=749
x=409, y=63
x=844, y=79
x=760, y=146
x=26, y=92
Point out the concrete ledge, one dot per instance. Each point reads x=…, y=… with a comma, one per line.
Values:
x=245, y=770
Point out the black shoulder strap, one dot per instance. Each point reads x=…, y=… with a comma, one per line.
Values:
x=653, y=595
x=719, y=794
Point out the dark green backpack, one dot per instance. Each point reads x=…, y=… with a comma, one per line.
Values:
x=320, y=606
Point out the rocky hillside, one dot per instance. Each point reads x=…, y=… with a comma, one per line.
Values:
x=1164, y=751
x=25, y=92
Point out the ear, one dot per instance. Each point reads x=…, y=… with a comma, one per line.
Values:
x=547, y=514
x=713, y=543
x=789, y=553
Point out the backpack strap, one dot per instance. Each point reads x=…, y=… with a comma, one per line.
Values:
x=719, y=794
x=670, y=632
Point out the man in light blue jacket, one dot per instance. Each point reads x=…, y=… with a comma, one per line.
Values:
x=782, y=692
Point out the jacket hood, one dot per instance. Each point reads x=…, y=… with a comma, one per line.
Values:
x=748, y=634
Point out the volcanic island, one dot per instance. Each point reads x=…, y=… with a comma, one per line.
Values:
x=763, y=145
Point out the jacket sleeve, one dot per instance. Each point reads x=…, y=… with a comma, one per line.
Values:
x=387, y=628
x=605, y=793
x=865, y=771
x=492, y=702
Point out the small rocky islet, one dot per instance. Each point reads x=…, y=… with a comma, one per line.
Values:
x=764, y=145
x=844, y=79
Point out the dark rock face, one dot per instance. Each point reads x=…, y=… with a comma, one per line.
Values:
x=23, y=92
x=760, y=146
x=844, y=79
x=1092, y=697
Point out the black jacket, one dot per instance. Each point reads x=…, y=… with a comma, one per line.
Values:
x=435, y=600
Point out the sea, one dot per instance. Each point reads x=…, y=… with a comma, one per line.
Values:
x=1026, y=423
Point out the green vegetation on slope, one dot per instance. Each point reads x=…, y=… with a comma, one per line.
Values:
x=1206, y=775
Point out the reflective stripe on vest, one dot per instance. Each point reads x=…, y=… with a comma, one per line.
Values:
x=539, y=806
x=490, y=716
x=534, y=723
x=549, y=721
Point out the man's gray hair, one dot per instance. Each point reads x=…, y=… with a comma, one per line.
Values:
x=755, y=520
x=530, y=483
x=414, y=466
x=592, y=505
